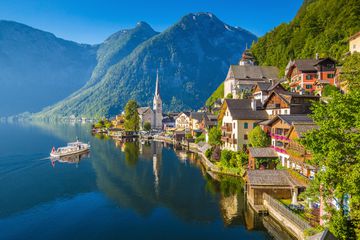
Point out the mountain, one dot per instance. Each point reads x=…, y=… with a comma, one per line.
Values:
x=320, y=26
x=38, y=69
x=192, y=56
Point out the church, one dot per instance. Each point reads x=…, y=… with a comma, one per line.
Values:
x=154, y=115
x=157, y=106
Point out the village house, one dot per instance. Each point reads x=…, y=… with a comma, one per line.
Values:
x=118, y=122
x=183, y=121
x=284, y=102
x=280, y=128
x=279, y=184
x=146, y=114
x=306, y=75
x=195, y=122
x=354, y=43
x=262, y=158
x=239, y=117
x=168, y=123
x=298, y=155
x=262, y=90
x=241, y=79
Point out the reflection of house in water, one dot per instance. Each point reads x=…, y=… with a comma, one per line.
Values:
x=72, y=159
x=232, y=209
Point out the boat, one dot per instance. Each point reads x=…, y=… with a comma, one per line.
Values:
x=71, y=149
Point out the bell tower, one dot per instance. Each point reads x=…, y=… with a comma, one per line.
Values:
x=157, y=105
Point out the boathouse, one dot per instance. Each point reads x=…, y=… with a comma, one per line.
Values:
x=277, y=183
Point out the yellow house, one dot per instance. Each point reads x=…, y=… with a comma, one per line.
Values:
x=354, y=43
x=118, y=122
x=239, y=117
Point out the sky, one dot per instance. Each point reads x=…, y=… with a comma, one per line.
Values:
x=92, y=21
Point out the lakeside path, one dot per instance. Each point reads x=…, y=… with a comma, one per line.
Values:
x=210, y=167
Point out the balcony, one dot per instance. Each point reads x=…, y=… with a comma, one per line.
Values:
x=227, y=139
x=273, y=106
x=278, y=137
x=279, y=149
x=226, y=128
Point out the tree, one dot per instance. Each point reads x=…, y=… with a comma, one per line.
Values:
x=132, y=120
x=336, y=152
x=351, y=72
x=258, y=138
x=147, y=126
x=215, y=136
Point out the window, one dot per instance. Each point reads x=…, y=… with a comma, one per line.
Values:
x=308, y=86
x=234, y=125
x=330, y=75
x=254, y=125
x=285, y=111
x=246, y=125
x=245, y=137
x=308, y=77
x=354, y=46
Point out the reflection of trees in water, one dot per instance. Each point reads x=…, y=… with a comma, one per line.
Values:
x=131, y=153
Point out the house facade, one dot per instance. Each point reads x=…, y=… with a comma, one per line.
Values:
x=305, y=74
x=241, y=78
x=282, y=102
x=238, y=117
x=146, y=114
x=183, y=121
x=354, y=43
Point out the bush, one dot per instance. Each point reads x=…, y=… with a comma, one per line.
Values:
x=229, y=96
x=329, y=90
x=258, y=138
x=188, y=136
x=214, y=136
x=147, y=126
x=208, y=153
x=200, y=138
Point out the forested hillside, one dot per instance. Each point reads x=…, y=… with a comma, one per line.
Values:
x=320, y=26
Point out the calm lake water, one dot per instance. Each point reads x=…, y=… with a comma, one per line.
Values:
x=120, y=191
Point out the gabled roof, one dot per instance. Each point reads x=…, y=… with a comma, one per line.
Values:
x=271, y=178
x=186, y=113
x=302, y=127
x=291, y=119
x=356, y=35
x=142, y=110
x=248, y=72
x=287, y=96
x=197, y=115
x=265, y=152
x=306, y=65
x=240, y=109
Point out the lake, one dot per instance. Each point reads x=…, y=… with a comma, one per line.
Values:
x=119, y=191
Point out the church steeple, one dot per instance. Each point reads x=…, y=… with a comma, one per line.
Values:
x=157, y=90
x=157, y=105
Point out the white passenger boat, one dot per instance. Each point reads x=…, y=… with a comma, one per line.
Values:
x=71, y=149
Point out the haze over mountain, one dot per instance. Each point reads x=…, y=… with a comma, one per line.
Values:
x=38, y=69
x=192, y=56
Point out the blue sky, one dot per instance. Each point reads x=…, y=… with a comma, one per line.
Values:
x=92, y=21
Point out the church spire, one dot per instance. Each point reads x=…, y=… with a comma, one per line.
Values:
x=157, y=90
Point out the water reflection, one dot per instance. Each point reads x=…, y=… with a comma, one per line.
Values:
x=71, y=159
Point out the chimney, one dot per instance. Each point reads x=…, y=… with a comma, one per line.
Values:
x=317, y=56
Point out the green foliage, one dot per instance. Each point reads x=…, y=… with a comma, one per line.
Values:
x=208, y=153
x=214, y=136
x=103, y=123
x=329, y=90
x=200, y=138
x=229, y=96
x=321, y=26
x=188, y=136
x=258, y=138
x=335, y=148
x=131, y=153
x=147, y=126
x=218, y=93
x=267, y=162
x=351, y=72
x=233, y=161
x=131, y=117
